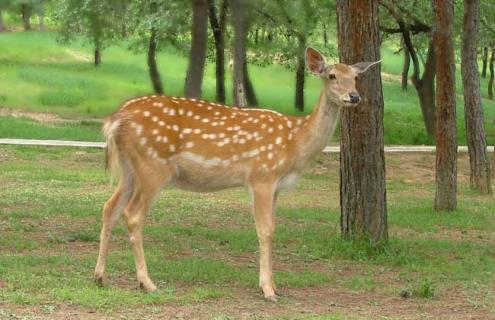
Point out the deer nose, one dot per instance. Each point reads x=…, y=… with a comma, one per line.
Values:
x=354, y=97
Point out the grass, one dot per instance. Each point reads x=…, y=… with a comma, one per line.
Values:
x=202, y=248
x=60, y=79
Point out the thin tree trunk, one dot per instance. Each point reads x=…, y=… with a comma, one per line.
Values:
x=2, y=25
x=473, y=111
x=218, y=28
x=446, y=155
x=492, y=74
x=97, y=53
x=405, y=66
x=362, y=162
x=240, y=26
x=197, y=57
x=325, y=35
x=152, y=66
x=26, y=16
x=300, y=68
x=484, y=59
x=425, y=88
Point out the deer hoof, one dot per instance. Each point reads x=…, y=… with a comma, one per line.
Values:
x=99, y=281
x=272, y=298
x=150, y=287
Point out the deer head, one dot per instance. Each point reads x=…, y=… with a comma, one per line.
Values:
x=339, y=79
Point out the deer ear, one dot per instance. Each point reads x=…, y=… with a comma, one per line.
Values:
x=315, y=62
x=362, y=67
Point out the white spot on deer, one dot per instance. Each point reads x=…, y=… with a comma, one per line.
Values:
x=263, y=125
x=205, y=120
x=155, y=131
x=278, y=140
x=142, y=141
x=172, y=112
x=216, y=113
x=235, y=157
x=289, y=124
x=298, y=122
x=213, y=136
x=221, y=135
x=262, y=148
x=154, y=119
x=187, y=130
x=165, y=139
x=242, y=141
x=281, y=162
x=171, y=148
x=270, y=130
x=139, y=129
x=189, y=113
x=214, y=124
x=165, y=110
x=181, y=111
x=226, y=140
x=161, y=123
x=175, y=127
x=189, y=144
x=205, y=136
x=158, y=138
x=290, y=136
x=270, y=146
x=200, y=159
x=197, y=131
x=280, y=127
x=270, y=156
x=197, y=117
x=192, y=99
x=146, y=113
x=133, y=124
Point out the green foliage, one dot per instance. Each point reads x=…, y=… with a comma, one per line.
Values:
x=426, y=289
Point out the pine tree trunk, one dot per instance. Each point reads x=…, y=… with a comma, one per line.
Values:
x=362, y=162
x=325, y=35
x=484, y=59
x=405, y=66
x=239, y=20
x=218, y=28
x=152, y=66
x=446, y=155
x=490, y=80
x=473, y=111
x=197, y=57
x=26, y=16
x=300, y=68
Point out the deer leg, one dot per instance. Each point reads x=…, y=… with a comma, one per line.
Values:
x=135, y=213
x=111, y=213
x=263, y=201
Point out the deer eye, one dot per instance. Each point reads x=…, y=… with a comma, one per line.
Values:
x=331, y=76
x=356, y=78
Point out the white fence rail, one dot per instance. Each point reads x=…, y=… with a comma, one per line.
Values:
x=329, y=149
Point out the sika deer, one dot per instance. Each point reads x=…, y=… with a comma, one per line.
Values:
x=203, y=146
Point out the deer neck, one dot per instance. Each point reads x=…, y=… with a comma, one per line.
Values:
x=318, y=130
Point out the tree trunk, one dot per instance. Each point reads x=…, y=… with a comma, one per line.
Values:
x=325, y=35
x=26, y=16
x=197, y=57
x=405, y=66
x=251, y=98
x=473, y=111
x=2, y=25
x=97, y=56
x=362, y=162
x=425, y=87
x=239, y=19
x=484, y=59
x=446, y=155
x=152, y=66
x=300, y=68
x=218, y=28
x=490, y=80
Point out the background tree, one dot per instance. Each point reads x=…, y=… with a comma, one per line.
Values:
x=409, y=24
x=93, y=19
x=197, y=56
x=218, y=26
x=473, y=110
x=362, y=162
x=153, y=24
x=4, y=5
x=446, y=156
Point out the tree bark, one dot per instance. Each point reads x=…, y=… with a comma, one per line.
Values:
x=362, y=162
x=218, y=28
x=300, y=68
x=251, y=98
x=26, y=16
x=490, y=80
x=484, y=59
x=197, y=57
x=473, y=111
x=152, y=66
x=446, y=155
x=405, y=66
x=325, y=35
x=239, y=19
